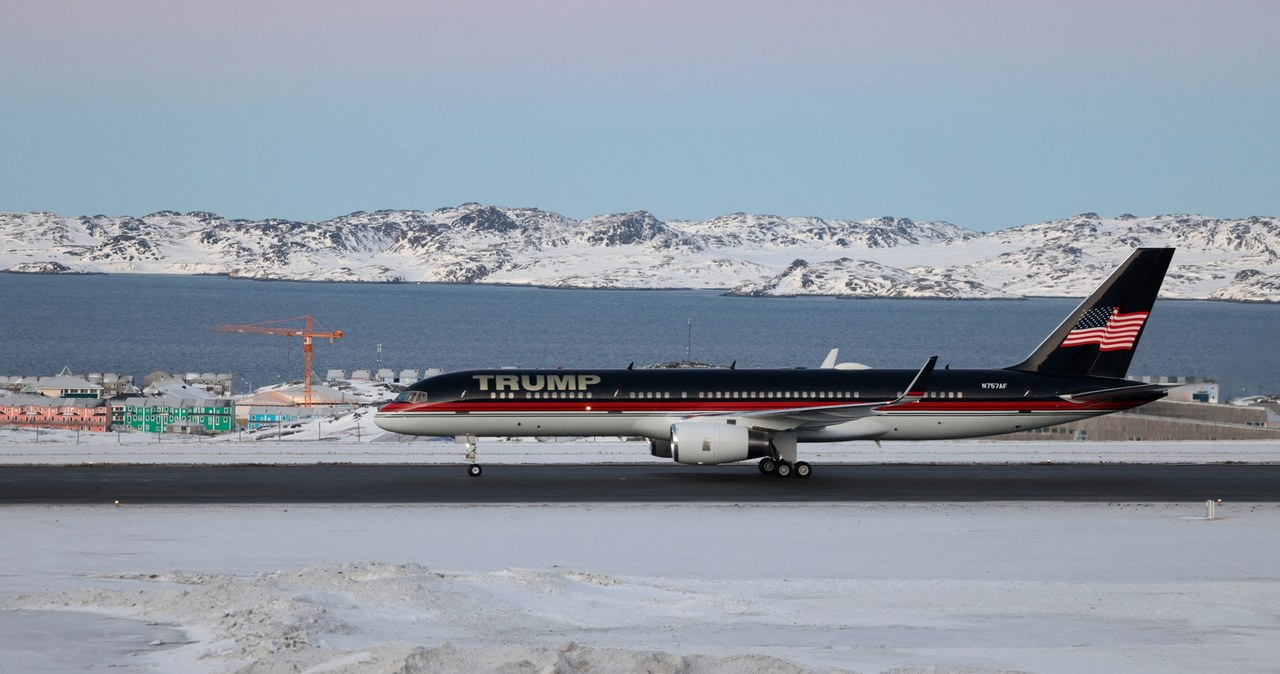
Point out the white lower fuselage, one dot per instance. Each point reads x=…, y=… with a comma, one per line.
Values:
x=899, y=425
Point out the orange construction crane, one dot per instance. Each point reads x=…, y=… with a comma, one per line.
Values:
x=270, y=328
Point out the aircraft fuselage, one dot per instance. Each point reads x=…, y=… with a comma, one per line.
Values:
x=647, y=402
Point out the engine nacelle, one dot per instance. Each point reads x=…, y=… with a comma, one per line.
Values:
x=660, y=448
x=702, y=442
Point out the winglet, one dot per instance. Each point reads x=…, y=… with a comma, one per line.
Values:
x=919, y=385
x=830, y=360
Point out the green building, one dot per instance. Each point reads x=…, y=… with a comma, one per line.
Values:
x=174, y=415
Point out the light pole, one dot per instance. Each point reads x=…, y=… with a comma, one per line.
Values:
x=68, y=415
x=31, y=416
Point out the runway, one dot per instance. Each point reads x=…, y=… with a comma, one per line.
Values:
x=614, y=483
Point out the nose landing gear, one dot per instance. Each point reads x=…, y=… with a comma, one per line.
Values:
x=474, y=469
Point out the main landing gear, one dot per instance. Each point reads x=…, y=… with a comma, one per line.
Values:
x=782, y=462
x=783, y=468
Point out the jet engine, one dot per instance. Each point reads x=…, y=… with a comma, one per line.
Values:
x=660, y=448
x=701, y=442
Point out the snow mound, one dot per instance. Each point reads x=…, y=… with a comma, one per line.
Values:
x=571, y=658
x=325, y=617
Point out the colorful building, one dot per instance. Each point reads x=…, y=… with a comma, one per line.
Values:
x=274, y=417
x=72, y=414
x=174, y=415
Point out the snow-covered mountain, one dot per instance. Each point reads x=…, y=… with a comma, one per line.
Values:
x=1236, y=260
x=863, y=278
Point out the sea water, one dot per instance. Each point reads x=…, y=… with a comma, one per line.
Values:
x=136, y=324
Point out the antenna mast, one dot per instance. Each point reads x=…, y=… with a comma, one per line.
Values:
x=688, y=352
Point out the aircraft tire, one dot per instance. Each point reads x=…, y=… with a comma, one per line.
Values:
x=768, y=465
x=803, y=470
x=783, y=470
x=474, y=470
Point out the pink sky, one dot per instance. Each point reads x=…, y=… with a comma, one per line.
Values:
x=662, y=39
x=850, y=109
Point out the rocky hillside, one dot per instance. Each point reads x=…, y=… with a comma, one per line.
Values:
x=769, y=255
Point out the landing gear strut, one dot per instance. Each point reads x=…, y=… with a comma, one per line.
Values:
x=474, y=469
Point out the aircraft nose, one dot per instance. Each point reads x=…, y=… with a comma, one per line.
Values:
x=388, y=422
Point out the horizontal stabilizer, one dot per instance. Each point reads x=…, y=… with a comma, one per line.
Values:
x=1120, y=393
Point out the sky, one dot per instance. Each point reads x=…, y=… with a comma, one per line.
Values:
x=987, y=114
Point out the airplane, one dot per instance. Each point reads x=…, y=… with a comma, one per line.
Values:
x=701, y=416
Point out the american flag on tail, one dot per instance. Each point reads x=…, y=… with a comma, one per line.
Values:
x=1108, y=328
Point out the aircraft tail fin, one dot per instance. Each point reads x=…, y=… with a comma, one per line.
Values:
x=1099, y=337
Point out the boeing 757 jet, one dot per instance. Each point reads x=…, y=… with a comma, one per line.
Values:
x=722, y=415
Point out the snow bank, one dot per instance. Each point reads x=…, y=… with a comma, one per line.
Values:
x=897, y=588
x=668, y=588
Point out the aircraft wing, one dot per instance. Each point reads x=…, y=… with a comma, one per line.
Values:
x=797, y=418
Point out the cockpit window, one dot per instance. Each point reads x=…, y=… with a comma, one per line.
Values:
x=412, y=397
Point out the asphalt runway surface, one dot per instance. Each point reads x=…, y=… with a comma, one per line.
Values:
x=615, y=483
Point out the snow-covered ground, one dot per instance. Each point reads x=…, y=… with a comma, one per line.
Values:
x=737, y=587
